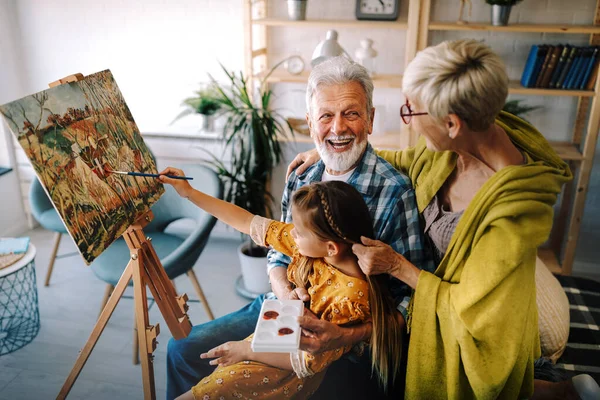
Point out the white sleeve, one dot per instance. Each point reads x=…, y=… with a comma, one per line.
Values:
x=258, y=229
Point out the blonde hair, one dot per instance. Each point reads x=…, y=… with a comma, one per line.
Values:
x=336, y=211
x=462, y=77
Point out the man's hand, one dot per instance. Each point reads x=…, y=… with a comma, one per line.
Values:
x=319, y=335
x=302, y=161
x=229, y=353
x=283, y=289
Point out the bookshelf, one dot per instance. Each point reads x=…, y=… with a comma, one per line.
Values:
x=578, y=151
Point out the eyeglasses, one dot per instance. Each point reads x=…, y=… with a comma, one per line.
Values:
x=406, y=113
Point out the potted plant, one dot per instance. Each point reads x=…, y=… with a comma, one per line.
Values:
x=205, y=103
x=501, y=11
x=251, y=132
x=516, y=108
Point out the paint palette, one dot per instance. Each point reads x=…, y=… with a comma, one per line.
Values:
x=277, y=329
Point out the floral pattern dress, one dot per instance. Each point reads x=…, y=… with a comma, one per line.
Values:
x=334, y=296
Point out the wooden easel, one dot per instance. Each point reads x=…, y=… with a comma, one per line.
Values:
x=145, y=269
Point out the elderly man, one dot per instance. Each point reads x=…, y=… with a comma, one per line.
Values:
x=340, y=116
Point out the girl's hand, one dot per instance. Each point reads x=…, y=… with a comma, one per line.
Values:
x=182, y=186
x=376, y=257
x=303, y=161
x=229, y=353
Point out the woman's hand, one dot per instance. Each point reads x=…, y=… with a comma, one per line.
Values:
x=229, y=353
x=376, y=257
x=182, y=186
x=303, y=161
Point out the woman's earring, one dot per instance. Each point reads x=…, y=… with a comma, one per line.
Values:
x=330, y=253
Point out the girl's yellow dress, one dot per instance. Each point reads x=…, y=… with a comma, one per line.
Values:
x=334, y=296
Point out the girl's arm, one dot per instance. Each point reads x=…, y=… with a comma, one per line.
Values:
x=232, y=215
x=233, y=352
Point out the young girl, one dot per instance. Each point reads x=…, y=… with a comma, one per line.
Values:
x=328, y=218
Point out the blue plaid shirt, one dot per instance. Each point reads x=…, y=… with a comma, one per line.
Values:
x=393, y=206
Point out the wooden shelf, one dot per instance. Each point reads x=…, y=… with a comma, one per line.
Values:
x=332, y=23
x=567, y=151
x=515, y=87
x=550, y=260
x=533, y=28
x=379, y=80
x=395, y=81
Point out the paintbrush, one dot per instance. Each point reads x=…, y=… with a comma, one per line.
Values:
x=150, y=175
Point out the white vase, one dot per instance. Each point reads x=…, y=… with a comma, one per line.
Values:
x=254, y=272
x=208, y=123
x=365, y=55
x=297, y=9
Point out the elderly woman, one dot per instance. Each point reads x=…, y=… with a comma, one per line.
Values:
x=486, y=183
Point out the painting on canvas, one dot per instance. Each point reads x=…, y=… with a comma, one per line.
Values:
x=74, y=134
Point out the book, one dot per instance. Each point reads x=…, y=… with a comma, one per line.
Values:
x=14, y=246
x=538, y=80
x=563, y=74
x=552, y=62
x=593, y=76
x=585, y=76
x=559, y=66
x=573, y=70
x=529, y=66
x=537, y=67
x=581, y=67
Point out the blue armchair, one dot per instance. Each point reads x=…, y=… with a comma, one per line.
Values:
x=45, y=214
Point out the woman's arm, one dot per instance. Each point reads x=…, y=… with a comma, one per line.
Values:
x=232, y=215
x=302, y=162
x=376, y=257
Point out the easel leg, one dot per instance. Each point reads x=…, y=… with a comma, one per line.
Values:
x=143, y=326
x=57, y=237
x=192, y=275
x=136, y=341
x=97, y=331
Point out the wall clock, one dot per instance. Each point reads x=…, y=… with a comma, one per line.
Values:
x=294, y=65
x=380, y=10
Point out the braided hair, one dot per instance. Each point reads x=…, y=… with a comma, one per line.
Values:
x=336, y=211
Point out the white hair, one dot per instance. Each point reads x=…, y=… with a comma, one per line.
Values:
x=338, y=71
x=462, y=77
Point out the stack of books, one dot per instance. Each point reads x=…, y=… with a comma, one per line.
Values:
x=561, y=67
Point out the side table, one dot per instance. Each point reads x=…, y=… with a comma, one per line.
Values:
x=19, y=313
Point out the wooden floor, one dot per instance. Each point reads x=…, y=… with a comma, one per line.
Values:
x=68, y=311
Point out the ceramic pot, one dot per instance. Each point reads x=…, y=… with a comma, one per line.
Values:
x=500, y=15
x=254, y=272
x=297, y=9
x=208, y=123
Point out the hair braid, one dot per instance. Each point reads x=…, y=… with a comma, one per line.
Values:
x=328, y=215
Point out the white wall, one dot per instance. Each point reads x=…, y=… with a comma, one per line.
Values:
x=158, y=50
x=12, y=216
